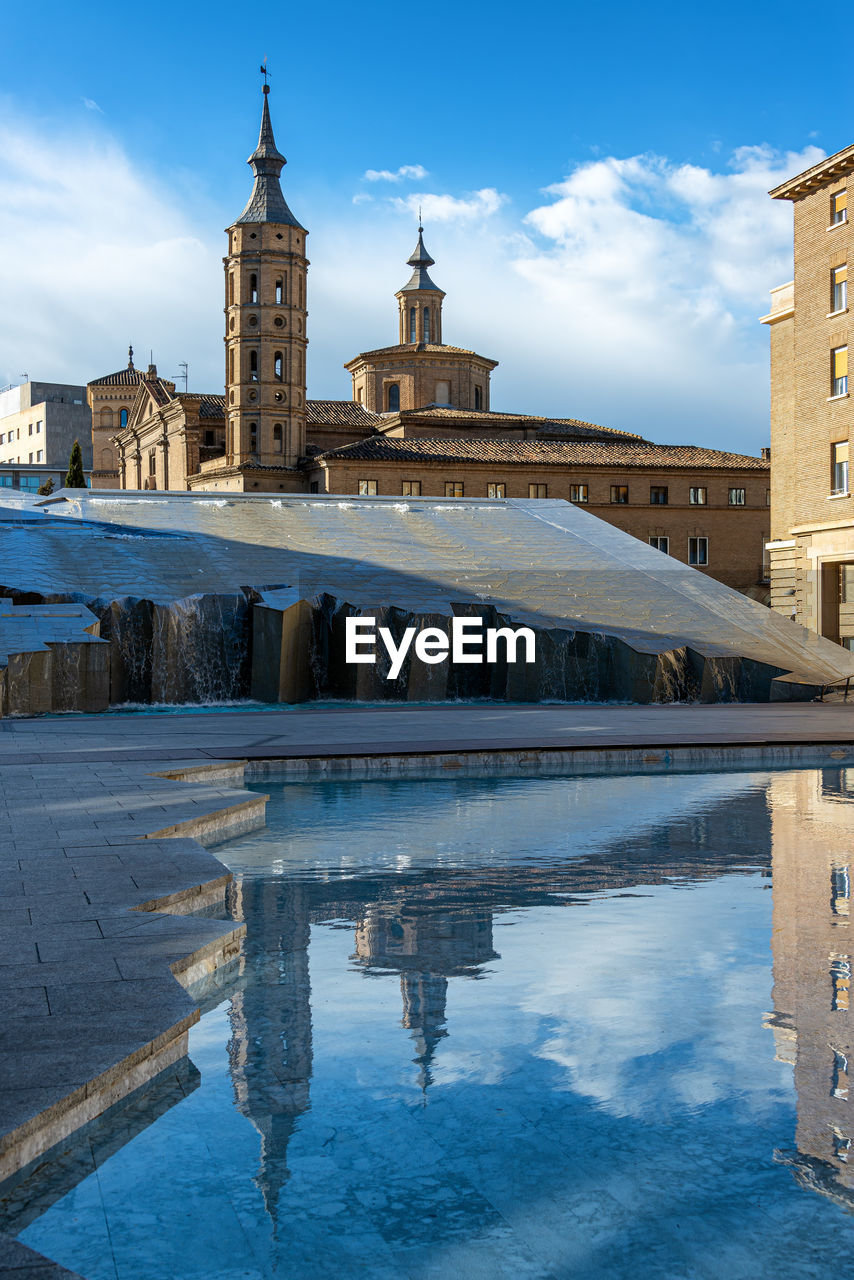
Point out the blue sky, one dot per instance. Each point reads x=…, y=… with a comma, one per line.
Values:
x=593, y=180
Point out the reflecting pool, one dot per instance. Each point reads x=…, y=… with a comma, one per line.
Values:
x=510, y=1027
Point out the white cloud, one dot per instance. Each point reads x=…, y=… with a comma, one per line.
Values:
x=445, y=208
x=91, y=105
x=627, y=295
x=104, y=256
x=406, y=172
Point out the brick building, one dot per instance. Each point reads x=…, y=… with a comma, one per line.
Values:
x=812, y=513
x=419, y=421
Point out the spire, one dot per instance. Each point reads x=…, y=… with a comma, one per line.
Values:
x=267, y=204
x=130, y=357
x=420, y=260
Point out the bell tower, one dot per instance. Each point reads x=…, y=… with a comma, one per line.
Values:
x=265, y=310
x=420, y=300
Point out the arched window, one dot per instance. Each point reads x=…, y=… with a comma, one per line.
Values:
x=123, y=418
x=253, y=366
x=412, y=337
x=231, y=365
x=253, y=437
x=278, y=366
x=393, y=397
x=253, y=288
x=426, y=324
x=106, y=417
x=231, y=286
x=477, y=403
x=107, y=460
x=279, y=296
x=277, y=438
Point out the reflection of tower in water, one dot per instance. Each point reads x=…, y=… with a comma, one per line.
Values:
x=426, y=942
x=813, y=855
x=270, y=1051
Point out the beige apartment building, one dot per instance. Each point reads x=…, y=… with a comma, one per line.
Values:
x=39, y=422
x=811, y=554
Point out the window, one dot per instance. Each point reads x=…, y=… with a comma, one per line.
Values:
x=736, y=498
x=538, y=491
x=2, y=438
x=279, y=292
x=838, y=208
x=231, y=365
x=768, y=497
x=660, y=544
x=442, y=393
x=839, y=288
x=152, y=462
x=412, y=330
x=840, y=890
x=230, y=287
x=393, y=397
x=253, y=288
x=619, y=493
x=698, y=550
x=253, y=366
x=839, y=467
x=579, y=493
x=314, y=487
x=40, y=456
x=453, y=488
x=123, y=418
x=840, y=974
x=426, y=324
x=39, y=426
x=30, y=458
x=839, y=371
x=367, y=488
x=278, y=366
x=277, y=438
x=30, y=432
x=658, y=495
x=253, y=437
x=359, y=395
x=478, y=398
x=496, y=490
x=411, y=488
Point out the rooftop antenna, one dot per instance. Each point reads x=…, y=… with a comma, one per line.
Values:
x=183, y=366
x=25, y=377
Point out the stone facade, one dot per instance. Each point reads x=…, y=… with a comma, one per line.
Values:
x=812, y=512
x=110, y=399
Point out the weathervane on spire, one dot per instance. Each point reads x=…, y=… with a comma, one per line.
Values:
x=420, y=227
x=265, y=73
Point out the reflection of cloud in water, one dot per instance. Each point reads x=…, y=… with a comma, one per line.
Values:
x=616, y=996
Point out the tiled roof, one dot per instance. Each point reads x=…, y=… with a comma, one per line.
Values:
x=432, y=348
x=209, y=406
x=574, y=427
x=129, y=377
x=341, y=412
x=549, y=453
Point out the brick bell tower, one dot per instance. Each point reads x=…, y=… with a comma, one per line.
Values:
x=265, y=335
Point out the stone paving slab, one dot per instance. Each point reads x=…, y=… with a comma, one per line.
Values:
x=92, y=940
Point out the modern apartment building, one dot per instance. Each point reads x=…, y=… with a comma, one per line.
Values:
x=39, y=422
x=811, y=554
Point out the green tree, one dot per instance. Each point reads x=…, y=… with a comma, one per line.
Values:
x=75, y=478
x=47, y=487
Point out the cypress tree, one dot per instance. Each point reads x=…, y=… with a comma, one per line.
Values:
x=47, y=487
x=75, y=478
